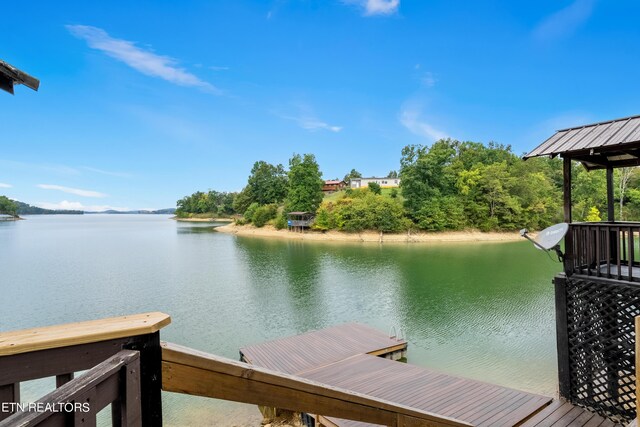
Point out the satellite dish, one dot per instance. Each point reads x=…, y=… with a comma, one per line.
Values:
x=549, y=238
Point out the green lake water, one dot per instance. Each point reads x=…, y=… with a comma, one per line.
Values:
x=481, y=310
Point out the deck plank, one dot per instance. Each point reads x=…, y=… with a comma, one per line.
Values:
x=318, y=348
x=342, y=357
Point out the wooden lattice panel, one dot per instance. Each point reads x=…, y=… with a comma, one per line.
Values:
x=601, y=335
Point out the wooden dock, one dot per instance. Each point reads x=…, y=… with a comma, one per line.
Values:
x=345, y=356
x=299, y=353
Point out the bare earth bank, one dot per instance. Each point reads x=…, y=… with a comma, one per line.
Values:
x=372, y=236
x=201, y=219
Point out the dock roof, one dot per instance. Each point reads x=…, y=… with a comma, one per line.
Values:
x=612, y=143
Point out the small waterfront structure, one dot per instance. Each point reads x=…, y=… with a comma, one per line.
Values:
x=10, y=76
x=597, y=295
x=333, y=185
x=387, y=182
x=298, y=221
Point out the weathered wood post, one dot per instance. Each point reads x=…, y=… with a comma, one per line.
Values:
x=562, y=336
x=150, y=377
x=610, y=210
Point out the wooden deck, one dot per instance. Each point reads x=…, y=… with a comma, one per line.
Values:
x=476, y=402
x=345, y=356
x=562, y=414
x=299, y=353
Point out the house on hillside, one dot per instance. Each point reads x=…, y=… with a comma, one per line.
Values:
x=332, y=185
x=387, y=182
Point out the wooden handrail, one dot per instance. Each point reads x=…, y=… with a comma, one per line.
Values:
x=78, y=401
x=28, y=340
x=193, y=372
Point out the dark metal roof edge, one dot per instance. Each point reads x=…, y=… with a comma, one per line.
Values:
x=599, y=123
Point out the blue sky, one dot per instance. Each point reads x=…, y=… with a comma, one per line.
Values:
x=144, y=102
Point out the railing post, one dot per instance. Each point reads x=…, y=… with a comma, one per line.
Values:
x=569, y=252
x=9, y=393
x=150, y=377
x=562, y=336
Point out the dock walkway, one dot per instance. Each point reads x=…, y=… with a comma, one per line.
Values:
x=346, y=356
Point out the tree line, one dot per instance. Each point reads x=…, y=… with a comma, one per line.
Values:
x=449, y=185
x=8, y=207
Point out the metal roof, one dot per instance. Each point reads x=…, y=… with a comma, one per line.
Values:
x=614, y=143
x=10, y=75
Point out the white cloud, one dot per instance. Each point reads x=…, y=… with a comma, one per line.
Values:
x=3, y=185
x=67, y=205
x=564, y=21
x=104, y=172
x=376, y=7
x=428, y=79
x=307, y=120
x=411, y=118
x=311, y=123
x=76, y=191
x=145, y=61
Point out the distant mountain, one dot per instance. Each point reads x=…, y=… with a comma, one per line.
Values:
x=168, y=211
x=25, y=209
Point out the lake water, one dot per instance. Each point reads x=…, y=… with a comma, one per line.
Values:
x=481, y=310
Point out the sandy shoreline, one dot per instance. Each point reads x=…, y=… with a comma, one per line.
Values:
x=373, y=237
x=201, y=219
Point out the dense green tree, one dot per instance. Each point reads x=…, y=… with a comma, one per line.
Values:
x=626, y=179
x=8, y=206
x=242, y=200
x=212, y=202
x=454, y=185
x=449, y=185
x=305, y=184
x=392, y=174
x=264, y=214
x=425, y=174
x=375, y=188
x=250, y=211
x=267, y=183
x=589, y=190
x=364, y=210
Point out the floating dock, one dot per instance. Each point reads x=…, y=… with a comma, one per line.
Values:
x=361, y=359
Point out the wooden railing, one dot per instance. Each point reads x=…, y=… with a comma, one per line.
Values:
x=189, y=371
x=128, y=367
x=63, y=350
x=604, y=249
x=116, y=381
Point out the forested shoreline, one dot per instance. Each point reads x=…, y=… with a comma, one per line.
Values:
x=449, y=185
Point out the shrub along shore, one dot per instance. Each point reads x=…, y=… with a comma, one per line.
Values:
x=447, y=186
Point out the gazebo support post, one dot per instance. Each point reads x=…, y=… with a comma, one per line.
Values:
x=566, y=187
x=610, y=210
x=566, y=170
